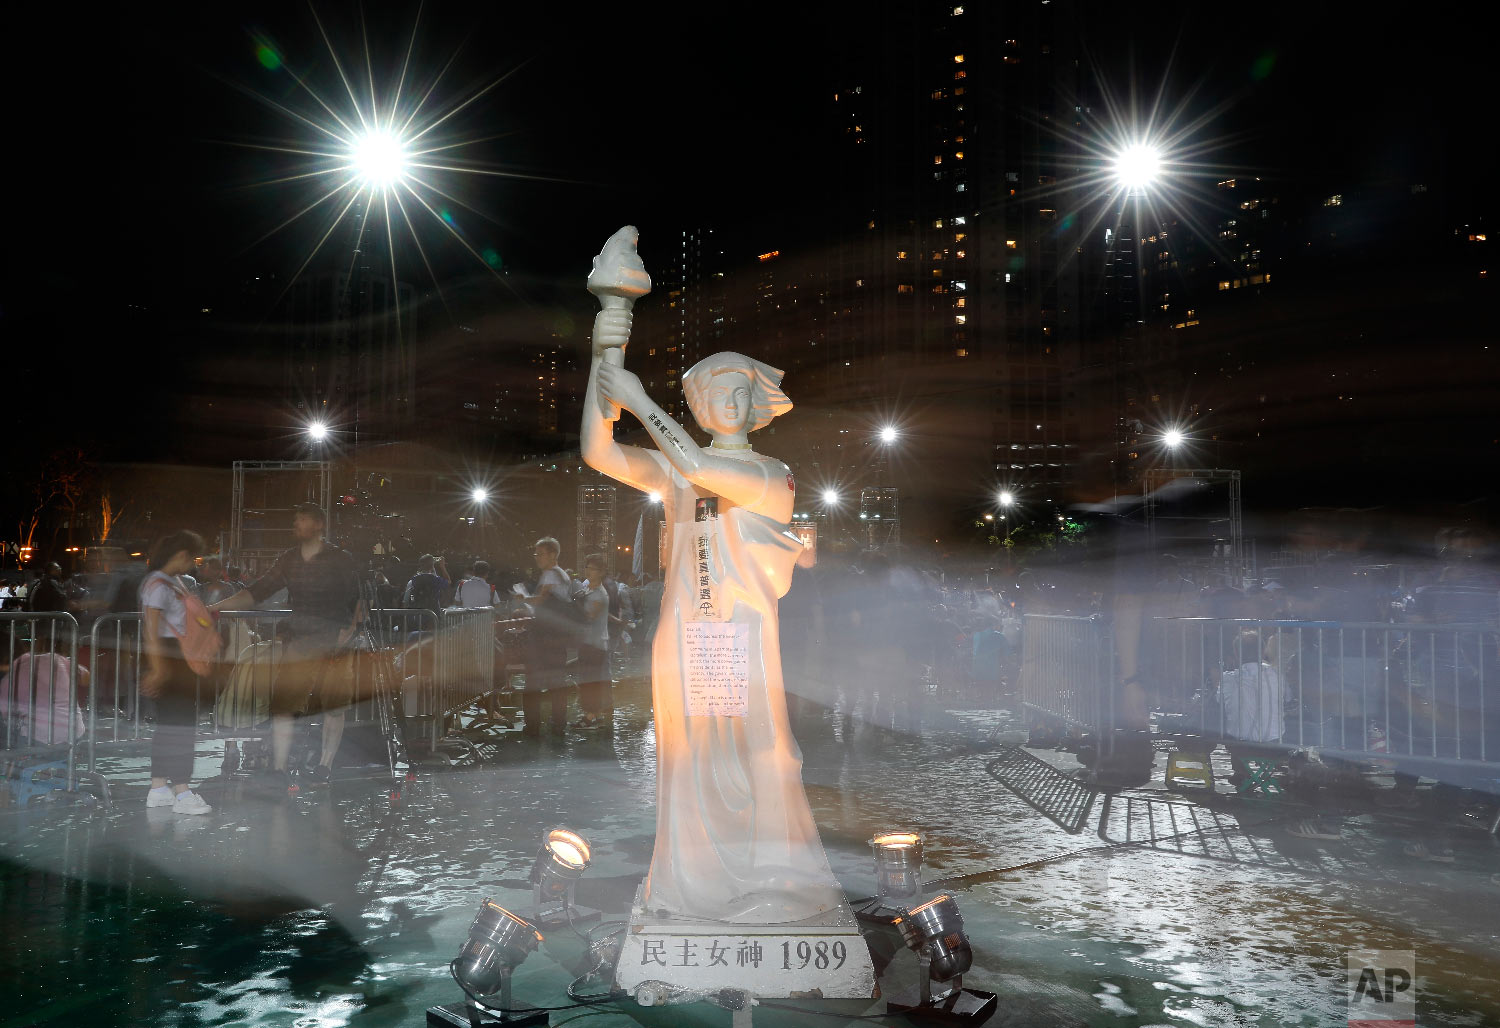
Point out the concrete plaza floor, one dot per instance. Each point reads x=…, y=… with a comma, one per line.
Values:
x=336, y=907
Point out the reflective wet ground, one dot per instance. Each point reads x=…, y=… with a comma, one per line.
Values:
x=340, y=907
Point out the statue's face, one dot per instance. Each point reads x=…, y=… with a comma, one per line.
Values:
x=726, y=405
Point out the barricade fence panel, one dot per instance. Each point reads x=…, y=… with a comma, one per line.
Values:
x=1067, y=667
x=39, y=685
x=1419, y=694
x=466, y=656
x=406, y=649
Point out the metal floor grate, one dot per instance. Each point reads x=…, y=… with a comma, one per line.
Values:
x=1059, y=797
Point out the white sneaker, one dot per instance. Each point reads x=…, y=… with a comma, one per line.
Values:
x=190, y=803
x=160, y=797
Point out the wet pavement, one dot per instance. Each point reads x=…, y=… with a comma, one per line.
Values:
x=340, y=907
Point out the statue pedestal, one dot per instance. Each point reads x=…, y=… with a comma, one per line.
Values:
x=823, y=957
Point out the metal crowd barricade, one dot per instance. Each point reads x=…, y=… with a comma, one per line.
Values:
x=1067, y=667
x=466, y=656
x=31, y=727
x=1422, y=697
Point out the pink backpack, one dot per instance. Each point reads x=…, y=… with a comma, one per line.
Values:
x=201, y=642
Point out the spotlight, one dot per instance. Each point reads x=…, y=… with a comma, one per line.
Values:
x=898, y=873
x=498, y=942
x=317, y=431
x=654, y=497
x=1173, y=438
x=888, y=434
x=561, y=861
x=830, y=497
x=934, y=931
x=480, y=494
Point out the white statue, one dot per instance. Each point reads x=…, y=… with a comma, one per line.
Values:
x=735, y=838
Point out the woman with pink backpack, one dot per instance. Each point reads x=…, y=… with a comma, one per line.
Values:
x=165, y=603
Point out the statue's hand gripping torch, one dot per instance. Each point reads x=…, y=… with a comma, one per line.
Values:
x=618, y=279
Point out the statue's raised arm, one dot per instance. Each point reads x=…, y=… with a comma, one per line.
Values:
x=729, y=394
x=618, y=279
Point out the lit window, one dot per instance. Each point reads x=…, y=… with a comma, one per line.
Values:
x=961, y=254
x=960, y=74
x=957, y=11
x=1336, y=200
x=959, y=188
x=962, y=301
x=960, y=286
x=937, y=158
x=959, y=237
x=1010, y=244
x=1007, y=278
x=958, y=155
x=937, y=223
x=958, y=58
x=960, y=352
x=903, y=288
x=937, y=94
x=900, y=255
x=870, y=223
x=1223, y=286
x=960, y=220
x=959, y=319
x=958, y=90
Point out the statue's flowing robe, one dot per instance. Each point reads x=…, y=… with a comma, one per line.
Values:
x=735, y=838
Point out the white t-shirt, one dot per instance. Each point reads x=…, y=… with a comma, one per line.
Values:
x=474, y=592
x=164, y=593
x=596, y=630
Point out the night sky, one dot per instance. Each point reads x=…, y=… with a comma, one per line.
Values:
x=131, y=207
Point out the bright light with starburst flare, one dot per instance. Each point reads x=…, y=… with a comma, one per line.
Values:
x=1138, y=166
x=383, y=153
x=379, y=158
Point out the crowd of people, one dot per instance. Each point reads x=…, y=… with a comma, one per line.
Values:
x=858, y=631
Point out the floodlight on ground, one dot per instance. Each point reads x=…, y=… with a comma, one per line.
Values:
x=1137, y=166
x=480, y=495
x=561, y=861
x=498, y=943
x=317, y=431
x=379, y=158
x=898, y=876
x=934, y=931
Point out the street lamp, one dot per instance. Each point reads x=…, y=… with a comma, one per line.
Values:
x=480, y=495
x=317, y=431
x=1007, y=498
x=1137, y=166
x=379, y=158
x=888, y=434
x=830, y=497
x=1173, y=438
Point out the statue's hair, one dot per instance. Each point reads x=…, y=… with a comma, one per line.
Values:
x=766, y=396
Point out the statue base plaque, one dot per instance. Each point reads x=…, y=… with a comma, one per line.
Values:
x=823, y=957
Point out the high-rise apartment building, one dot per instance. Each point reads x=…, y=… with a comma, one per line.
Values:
x=955, y=266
